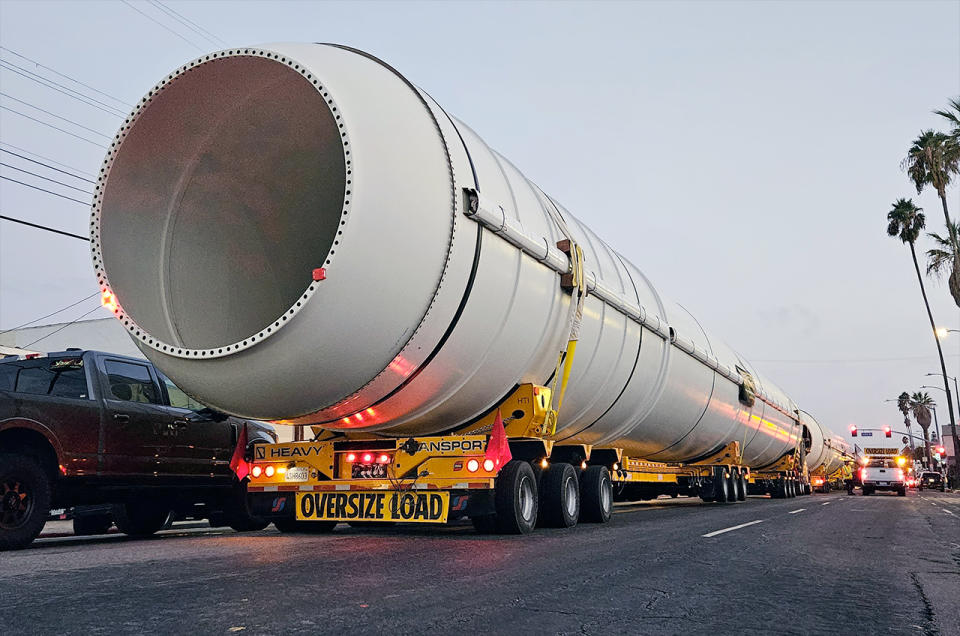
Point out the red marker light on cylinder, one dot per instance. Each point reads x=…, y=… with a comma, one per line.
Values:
x=473, y=465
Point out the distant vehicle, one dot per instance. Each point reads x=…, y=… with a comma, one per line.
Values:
x=87, y=429
x=883, y=473
x=932, y=480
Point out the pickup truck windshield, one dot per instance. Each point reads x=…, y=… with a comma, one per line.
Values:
x=56, y=377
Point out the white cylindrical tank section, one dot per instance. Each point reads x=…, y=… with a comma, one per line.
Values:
x=295, y=232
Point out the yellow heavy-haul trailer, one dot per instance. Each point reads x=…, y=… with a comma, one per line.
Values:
x=311, y=486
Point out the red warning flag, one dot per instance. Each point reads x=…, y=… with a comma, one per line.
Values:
x=498, y=449
x=238, y=463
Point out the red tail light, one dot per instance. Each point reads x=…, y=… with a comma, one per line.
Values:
x=351, y=457
x=367, y=458
x=862, y=471
x=383, y=459
x=256, y=471
x=473, y=465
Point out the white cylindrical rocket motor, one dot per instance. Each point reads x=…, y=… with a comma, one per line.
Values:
x=297, y=233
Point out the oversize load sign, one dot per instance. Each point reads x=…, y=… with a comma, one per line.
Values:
x=417, y=507
x=880, y=451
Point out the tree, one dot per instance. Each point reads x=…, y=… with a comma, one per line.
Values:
x=921, y=404
x=933, y=159
x=952, y=114
x=905, y=221
x=942, y=258
x=903, y=403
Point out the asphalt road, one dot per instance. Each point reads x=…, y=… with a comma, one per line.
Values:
x=822, y=564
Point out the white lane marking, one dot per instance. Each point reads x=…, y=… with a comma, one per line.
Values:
x=825, y=503
x=949, y=512
x=793, y=512
x=731, y=528
x=932, y=504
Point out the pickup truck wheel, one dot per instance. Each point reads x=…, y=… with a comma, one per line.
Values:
x=24, y=500
x=292, y=526
x=559, y=496
x=140, y=519
x=515, y=498
x=902, y=492
x=92, y=524
x=596, y=495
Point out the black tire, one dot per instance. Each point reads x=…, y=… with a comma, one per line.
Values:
x=902, y=492
x=734, y=486
x=559, y=496
x=371, y=525
x=742, y=494
x=486, y=524
x=515, y=498
x=791, y=489
x=92, y=524
x=237, y=513
x=218, y=520
x=292, y=526
x=867, y=491
x=596, y=495
x=721, y=490
x=140, y=518
x=24, y=500
x=708, y=490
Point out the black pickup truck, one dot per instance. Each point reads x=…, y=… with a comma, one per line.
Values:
x=87, y=428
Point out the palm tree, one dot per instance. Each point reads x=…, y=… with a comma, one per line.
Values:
x=921, y=404
x=933, y=159
x=942, y=258
x=952, y=114
x=903, y=403
x=906, y=221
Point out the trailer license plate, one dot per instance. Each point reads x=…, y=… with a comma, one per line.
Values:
x=300, y=473
x=408, y=507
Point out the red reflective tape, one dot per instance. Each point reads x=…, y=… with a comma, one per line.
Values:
x=474, y=484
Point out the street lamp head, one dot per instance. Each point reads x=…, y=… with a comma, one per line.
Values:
x=941, y=332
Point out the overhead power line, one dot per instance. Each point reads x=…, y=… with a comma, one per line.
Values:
x=49, y=125
x=56, y=194
x=34, y=174
x=190, y=24
x=60, y=88
x=67, y=77
x=96, y=132
x=40, y=163
x=53, y=161
x=162, y=25
x=43, y=227
x=54, y=313
x=78, y=318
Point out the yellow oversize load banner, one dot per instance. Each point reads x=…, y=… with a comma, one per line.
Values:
x=374, y=505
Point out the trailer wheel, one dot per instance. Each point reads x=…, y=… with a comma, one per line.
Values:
x=515, y=498
x=290, y=525
x=485, y=524
x=92, y=524
x=559, y=496
x=734, y=487
x=24, y=500
x=596, y=495
x=742, y=495
x=721, y=490
x=140, y=519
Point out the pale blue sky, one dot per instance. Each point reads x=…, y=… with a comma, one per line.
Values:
x=743, y=155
